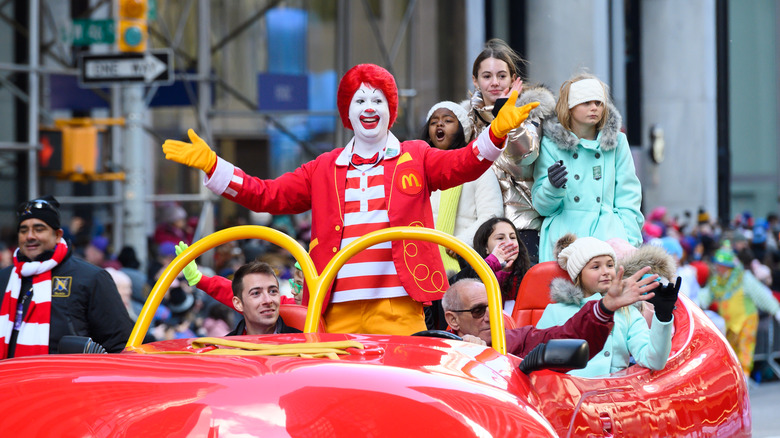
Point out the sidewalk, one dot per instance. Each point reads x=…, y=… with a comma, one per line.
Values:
x=764, y=400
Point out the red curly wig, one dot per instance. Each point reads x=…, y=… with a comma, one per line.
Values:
x=369, y=74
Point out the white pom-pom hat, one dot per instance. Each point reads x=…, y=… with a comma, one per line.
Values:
x=575, y=256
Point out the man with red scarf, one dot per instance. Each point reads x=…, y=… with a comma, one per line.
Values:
x=48, y=293
x=374, y=182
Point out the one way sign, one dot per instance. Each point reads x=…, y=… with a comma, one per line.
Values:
x=154, y=66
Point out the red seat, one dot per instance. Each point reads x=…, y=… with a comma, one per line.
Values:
x=294, y=315
x=533, y=295
x=509, y=323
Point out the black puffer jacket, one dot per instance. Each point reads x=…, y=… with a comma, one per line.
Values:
x=84, y=302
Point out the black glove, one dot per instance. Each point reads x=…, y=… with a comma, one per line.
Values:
x=557, y=174
x=664, y=300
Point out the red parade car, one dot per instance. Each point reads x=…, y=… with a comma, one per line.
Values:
x=327, y=384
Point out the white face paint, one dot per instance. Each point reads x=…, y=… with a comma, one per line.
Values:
x=369, y=114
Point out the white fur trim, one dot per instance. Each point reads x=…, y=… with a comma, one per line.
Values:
x=586, y=90
x=221, y=177
x=487, y=150
x=575, y=256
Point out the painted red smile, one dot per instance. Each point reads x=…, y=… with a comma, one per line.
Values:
x=369, y=122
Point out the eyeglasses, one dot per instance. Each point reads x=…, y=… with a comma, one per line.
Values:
x=477, y=311
x=38, y=204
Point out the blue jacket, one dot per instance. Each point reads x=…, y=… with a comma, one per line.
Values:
x=602, y=196
x=630, y=336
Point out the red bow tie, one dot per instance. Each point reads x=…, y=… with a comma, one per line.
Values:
x=359, y=161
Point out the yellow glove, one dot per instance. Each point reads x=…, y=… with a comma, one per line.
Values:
x=510, y=116
x=190, y=271
x=196, y=154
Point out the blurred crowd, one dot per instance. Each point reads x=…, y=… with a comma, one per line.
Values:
x=731, y=270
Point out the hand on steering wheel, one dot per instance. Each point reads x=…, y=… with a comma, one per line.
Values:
x=438, y=334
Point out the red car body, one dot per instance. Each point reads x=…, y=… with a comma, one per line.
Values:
x=393, y=386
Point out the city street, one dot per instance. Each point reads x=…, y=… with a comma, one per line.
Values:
x=764, y=400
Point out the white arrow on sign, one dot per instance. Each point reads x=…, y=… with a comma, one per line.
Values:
x=148, y=68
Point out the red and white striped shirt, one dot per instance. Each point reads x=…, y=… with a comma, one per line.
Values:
x=370, y=274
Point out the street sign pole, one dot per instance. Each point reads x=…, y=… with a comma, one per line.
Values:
x=135, y=150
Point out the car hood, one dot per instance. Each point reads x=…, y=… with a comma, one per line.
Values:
x=411, y=385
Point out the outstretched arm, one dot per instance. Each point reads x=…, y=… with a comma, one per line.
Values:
x=591, y=323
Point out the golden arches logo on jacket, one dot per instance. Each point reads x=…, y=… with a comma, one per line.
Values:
x=409, y=181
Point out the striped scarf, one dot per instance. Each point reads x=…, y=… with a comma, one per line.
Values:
x=33, y=337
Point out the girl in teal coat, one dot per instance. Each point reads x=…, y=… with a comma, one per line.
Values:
x=591, y=266
x=584, y=180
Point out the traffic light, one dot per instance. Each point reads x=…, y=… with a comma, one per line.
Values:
x=132, y=26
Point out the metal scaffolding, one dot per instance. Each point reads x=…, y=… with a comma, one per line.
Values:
x=48, y=54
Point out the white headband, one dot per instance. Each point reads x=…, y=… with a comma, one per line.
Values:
x=585, y=91
x=460, y=113
x=575, y=256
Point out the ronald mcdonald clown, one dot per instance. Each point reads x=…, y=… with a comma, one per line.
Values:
x=373, y=182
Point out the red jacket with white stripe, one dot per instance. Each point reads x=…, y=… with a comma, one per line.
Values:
x=413, y=170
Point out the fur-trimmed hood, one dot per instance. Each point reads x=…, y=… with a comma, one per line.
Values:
x=657, y=258
x=482, y=115
x=566, y=140
x=538, y=93
x=565, y=292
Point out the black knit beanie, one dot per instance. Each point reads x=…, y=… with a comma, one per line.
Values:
x=45, y=208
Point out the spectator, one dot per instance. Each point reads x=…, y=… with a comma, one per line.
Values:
x=124, y=285
x=172, y=226
x=374, y=182
x=84, y=299
x=460, y=210
x=96, y=253
x=466, y=309
x=132, y=267
x=739, y=296
x=584, y=179
x=495, y=74
x=6, y=256
x=217, y=322
x=590, y=264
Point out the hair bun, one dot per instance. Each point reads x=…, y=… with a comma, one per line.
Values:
x=564, y=241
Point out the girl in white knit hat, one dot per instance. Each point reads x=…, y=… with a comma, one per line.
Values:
x=590, y=264
x=459, y=211
x=584, y=179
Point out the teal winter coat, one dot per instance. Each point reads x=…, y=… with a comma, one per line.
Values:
x=602, y=196
x=630, y=336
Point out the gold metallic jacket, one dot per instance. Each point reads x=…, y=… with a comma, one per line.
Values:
x=515, y=167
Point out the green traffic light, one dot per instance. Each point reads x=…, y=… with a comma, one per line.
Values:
x=133, y=36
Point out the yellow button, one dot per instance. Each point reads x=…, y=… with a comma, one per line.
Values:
x=338, y=227
x=335, y=249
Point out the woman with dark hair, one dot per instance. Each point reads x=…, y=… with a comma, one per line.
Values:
x=496, y=241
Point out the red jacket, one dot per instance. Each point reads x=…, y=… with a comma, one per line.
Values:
x=221, y=289
x=588, y=323
x=412, y=171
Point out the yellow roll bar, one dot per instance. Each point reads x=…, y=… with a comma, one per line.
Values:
x=319, y=284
